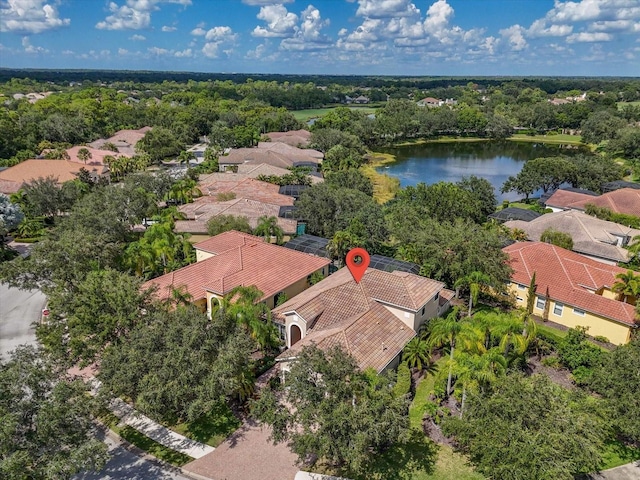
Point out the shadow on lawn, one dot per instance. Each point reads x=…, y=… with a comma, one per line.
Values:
x=404, y=461
x=214, y=427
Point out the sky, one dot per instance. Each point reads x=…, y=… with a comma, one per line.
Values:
x=353, y=37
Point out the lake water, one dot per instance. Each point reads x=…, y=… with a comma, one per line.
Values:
x=449, y=162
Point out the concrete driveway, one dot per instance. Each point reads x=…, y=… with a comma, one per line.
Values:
x=19, y=310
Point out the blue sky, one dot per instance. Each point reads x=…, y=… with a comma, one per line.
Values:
x=381, y=37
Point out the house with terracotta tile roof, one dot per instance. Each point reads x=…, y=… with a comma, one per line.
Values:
x=571, y=290
x=372, y=320
x=236, y=195
x=13, y=178
x=295, y=138
x=234, y=259
x=277, y=154
x=124, y=140
x=623, y=200
x=597, y=239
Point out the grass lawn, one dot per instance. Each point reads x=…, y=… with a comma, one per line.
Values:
x=616, y=454
x=143, y=442
x=306, y=115
x=211, y=429
x=384, y=186
x=564, y=139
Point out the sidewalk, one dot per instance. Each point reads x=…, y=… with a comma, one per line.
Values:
x=160, y=434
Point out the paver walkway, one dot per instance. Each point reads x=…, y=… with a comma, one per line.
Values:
x=160, y=434
x=246, y=455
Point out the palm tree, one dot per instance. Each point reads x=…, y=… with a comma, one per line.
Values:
x=186, y=157
x=417, y=353
x=243, y=303
x=268, y=227
x=478, y=371
x=447, y=331
x=627, y=286
x=340, y=244
x=84, y=154
x=475, y=281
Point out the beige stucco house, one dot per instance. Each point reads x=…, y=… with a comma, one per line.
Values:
x=234, y=259
x=373, y=320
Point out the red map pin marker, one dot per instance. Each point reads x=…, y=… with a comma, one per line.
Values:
x=357, y=261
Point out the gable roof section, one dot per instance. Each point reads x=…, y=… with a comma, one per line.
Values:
x=12, y=179
x=242, y=260
x=272, y=153
x=338, y=296
x=565, y=198
x=590, y=235
x=624, y=200
x=374, y=337
x=248, y=188
x=570, y=278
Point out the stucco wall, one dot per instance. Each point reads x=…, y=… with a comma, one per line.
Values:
x=615, y=332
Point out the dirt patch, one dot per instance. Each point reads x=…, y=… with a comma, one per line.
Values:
x=561, y=376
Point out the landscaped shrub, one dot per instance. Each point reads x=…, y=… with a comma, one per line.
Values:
x=576, y=352
x=403, y=381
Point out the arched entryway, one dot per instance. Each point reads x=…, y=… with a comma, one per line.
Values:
x=295, y=334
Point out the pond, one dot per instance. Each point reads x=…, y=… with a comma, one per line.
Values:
x=449, y=162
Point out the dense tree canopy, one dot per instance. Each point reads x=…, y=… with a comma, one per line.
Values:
x=45, y=421
x=335, y=412
x=530, y=428
x=179, y=363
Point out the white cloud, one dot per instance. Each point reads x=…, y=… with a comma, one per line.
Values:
x=184, y=53
x=308, y=35
x=220, y=33
x=123, y=51
x=280, y=22
x=590, y=37
x=167, y=28
x=137, y=38
x=198, y=32
x=386, y=8
x=158, y=51
x=539, y=28
x=28, y=48
x=134, y=14
x=210, y=49
x=514, y=35
x=30, y=16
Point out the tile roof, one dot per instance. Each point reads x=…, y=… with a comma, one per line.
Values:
x=124, y=140
x=12, y=179
x=272, y=153
x=292, y=137
x=338, y=296
x=590, y=235
x=247, y=261
x=374, y=337
x=564, y=198
x=97, y=155
x=569, y=277
x=248, y=188
x=624, y=200
x=202, y=209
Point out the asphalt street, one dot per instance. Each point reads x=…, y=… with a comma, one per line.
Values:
x=126, y=465
x=19, y=310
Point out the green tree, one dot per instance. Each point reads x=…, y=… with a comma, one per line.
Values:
x=340, y=244
x=482, y=190
x=224, y=223
x=100, y=312
x=546, y=173
x=339, y=415
x=530, y=428
x=627, y=286
x=159, y=143
x=243, y=304
x=84, y=154
x=10, y=216
x=268, y=227
x=476, y=281
x=444, y=332
x=353, y=179
x=601, y=125
x=417, y=353
x=46, y=421
x=615, y=381
x=557, y=238
x=211, y=355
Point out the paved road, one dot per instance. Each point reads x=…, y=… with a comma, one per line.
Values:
x=19, y=310
x=126, y=465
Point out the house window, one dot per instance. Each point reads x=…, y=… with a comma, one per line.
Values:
x=282, y=332
x=557, y=309
x=578, y=311
x=540, y=303
x=436, y=297
x=520, y=299
x=520, y=287
x=423, y=309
